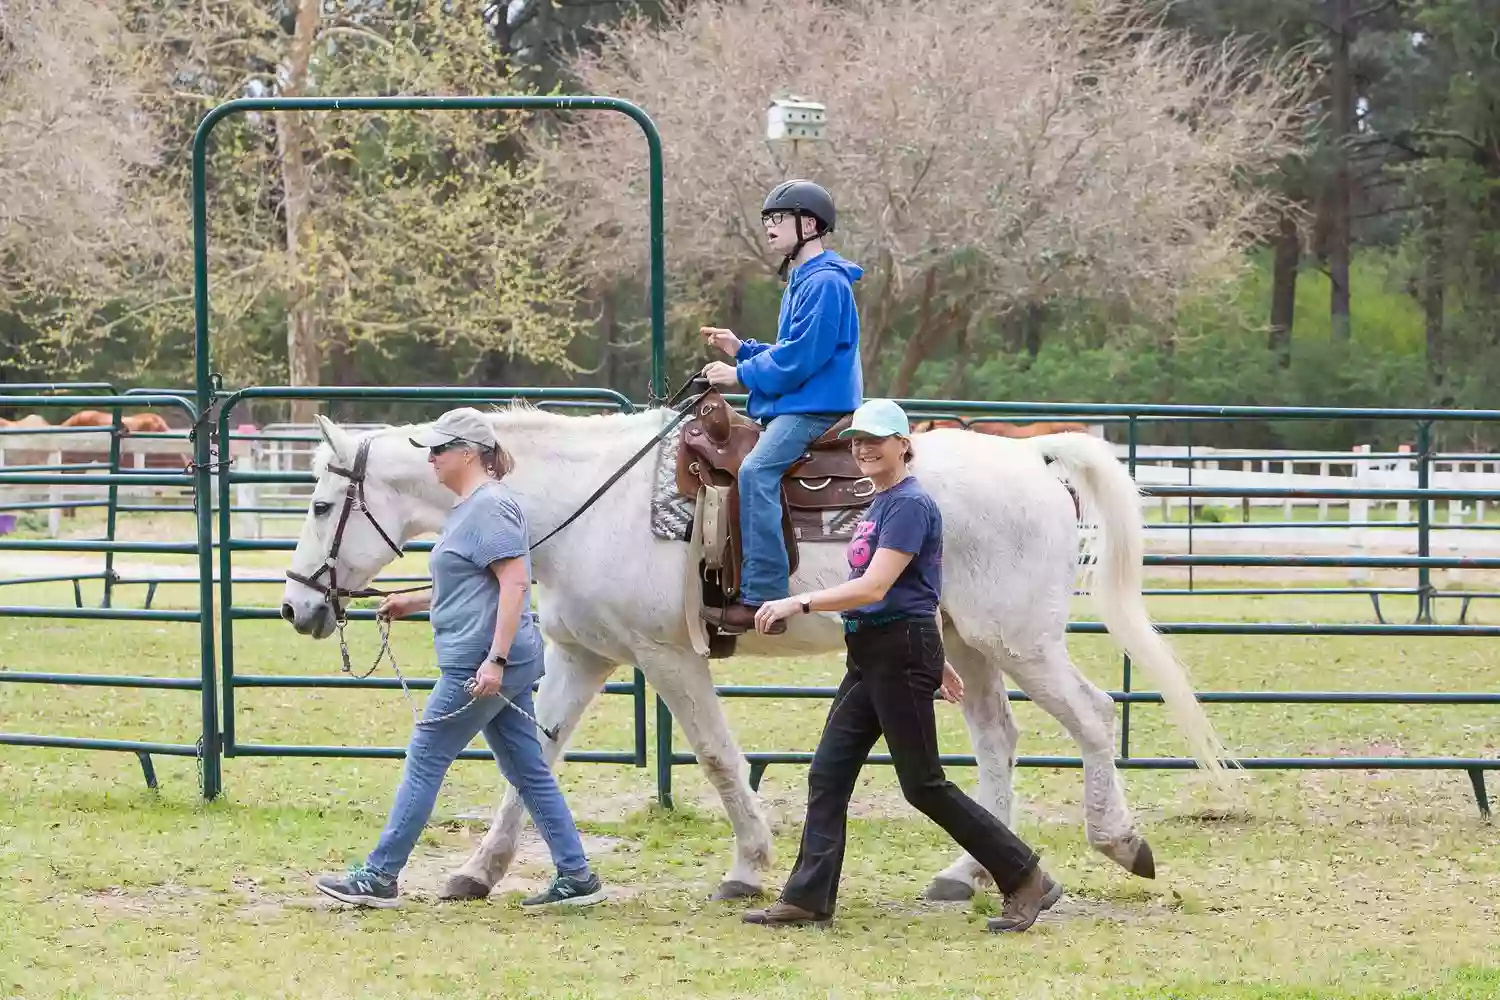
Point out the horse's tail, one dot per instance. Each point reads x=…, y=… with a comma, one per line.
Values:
x=1109, y=501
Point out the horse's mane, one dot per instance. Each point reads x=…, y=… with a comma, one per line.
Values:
x=519, y=416
x=523, y=414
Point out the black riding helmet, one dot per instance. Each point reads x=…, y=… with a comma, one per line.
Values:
x=802, y=198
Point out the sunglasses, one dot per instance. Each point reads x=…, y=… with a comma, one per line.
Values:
x=438, y=449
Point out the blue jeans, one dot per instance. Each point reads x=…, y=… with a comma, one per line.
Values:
x=513, y=740
x=764, y=569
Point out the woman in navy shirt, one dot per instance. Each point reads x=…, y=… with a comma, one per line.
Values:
x=895, y=663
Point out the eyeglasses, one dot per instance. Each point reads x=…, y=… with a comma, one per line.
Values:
x=774, y=218
x=438, y=449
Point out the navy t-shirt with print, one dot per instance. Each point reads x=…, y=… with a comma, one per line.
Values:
x=906, y=519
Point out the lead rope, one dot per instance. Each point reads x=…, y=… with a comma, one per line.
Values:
x=416, y=718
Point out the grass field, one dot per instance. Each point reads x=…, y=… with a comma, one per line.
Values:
x=1302, y=885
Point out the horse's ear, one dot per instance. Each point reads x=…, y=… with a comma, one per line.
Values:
x=333, y=434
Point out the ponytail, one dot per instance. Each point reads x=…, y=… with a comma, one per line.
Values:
x=496, y=461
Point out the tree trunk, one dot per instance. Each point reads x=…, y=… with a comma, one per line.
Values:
x=497, y=370
x=921, y=344
x=1434, y=275
x=341, y=368
x=911, y=356
x=1013, y=329
x=933, y=327
x=872, y=334
x=955, y=385
x=609, y=336
x=293, y=139
x=736, y=313
x=1031, y=327
x=1284, y=289
x=1341, y=85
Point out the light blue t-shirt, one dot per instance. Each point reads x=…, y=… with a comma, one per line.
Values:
x=486, y=526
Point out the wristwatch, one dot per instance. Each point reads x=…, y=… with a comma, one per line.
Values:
x=806, y=601
x=499, y=661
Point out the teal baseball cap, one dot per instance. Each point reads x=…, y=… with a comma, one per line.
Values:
x=878, y=418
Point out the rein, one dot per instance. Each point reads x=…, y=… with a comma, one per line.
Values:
x=682, y=414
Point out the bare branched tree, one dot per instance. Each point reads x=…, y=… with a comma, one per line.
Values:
x=380, y=233
x=73, y=139
x=986, y=155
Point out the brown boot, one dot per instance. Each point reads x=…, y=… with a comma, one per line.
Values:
x=780, y=913
x=1023, y=906
x=736, y=619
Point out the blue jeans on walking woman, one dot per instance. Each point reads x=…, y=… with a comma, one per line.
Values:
x=764, y=569
x=513, y=740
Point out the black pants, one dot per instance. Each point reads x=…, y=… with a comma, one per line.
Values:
x=893, y=672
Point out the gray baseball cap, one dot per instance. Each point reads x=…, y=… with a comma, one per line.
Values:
x=462, y=424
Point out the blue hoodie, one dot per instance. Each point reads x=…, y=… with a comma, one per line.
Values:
x=814, y=365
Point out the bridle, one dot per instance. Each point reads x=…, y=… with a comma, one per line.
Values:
x=354, y=499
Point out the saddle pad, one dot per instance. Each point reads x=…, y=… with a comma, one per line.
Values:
x=672, y=513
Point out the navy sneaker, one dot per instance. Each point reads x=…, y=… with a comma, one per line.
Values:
x=362, y=886
x=567, y=890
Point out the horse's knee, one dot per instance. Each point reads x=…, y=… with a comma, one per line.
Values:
x=719, y=767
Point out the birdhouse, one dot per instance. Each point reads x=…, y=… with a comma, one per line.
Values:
x=793, y=119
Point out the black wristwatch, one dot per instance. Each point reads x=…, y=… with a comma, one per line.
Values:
x=498, y=661
x=806, y=601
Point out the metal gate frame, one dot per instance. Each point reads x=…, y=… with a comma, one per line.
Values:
x=207, y=383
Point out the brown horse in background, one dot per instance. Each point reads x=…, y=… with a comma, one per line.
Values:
x=1001, y=429
x=140, y=423
x=143, y=423
x=35, y=420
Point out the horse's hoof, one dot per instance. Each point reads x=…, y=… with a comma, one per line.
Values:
x=948, y=890
x=464, y=887
x=732, y=889
x=1144, y=864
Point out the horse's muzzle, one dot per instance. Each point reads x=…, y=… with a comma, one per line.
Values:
x=316, y=621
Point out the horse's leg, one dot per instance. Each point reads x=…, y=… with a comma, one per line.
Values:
x=1052, y=681
x=686, y=684
x=992, y=730
x=573, y=679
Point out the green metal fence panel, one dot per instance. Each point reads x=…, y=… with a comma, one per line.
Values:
x=213, y=743
x=206, y=749
x=231, y=680
x=1133, y=416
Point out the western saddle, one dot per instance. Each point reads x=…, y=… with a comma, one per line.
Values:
x=714, y=443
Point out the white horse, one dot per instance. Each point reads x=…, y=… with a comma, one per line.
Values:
x=614, y=593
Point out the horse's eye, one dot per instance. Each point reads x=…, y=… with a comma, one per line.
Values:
x=321, y=508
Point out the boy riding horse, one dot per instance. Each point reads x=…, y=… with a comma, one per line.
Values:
x=799, y=387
